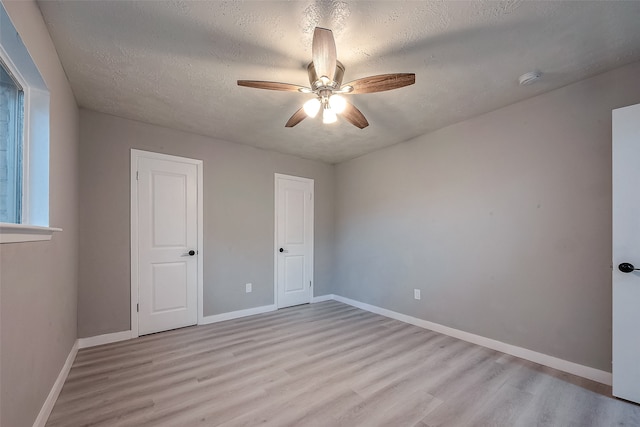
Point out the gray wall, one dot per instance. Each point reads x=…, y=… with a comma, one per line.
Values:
x=238, y=218
x=503, y=221
x=39, y=279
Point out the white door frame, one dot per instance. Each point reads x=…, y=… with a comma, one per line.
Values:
x=135, y=155
x=275, y=235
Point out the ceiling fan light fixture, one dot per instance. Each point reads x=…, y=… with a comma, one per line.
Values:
x=328, y=115
x=337, y=103
x=311, y=107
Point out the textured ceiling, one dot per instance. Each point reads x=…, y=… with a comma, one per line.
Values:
x=175, y=63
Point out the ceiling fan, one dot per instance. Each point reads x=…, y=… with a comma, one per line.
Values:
x=325, y=77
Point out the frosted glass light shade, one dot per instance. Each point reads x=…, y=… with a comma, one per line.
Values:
x=338, y=103
x=328, y=116
x=311, y=107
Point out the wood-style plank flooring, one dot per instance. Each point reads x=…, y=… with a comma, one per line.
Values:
x=326, y=364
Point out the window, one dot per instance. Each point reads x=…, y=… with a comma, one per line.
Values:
x=11, y=131
x=24, y=142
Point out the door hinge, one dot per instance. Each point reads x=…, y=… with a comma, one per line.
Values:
x=138, y=308
x=137, y=175
x=309, y=283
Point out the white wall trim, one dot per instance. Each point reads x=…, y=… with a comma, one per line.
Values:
x=237, y=314
x=104, y=339
x=135, y=155
x=50, y=401
x=322, y=298
x=523, y=353
x=14, y=233
x=134, y=244
x=200, y=241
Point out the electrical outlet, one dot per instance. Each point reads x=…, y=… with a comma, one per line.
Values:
x=248, y=287
x=416, y=293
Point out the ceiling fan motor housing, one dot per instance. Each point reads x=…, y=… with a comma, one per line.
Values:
x=317, y=83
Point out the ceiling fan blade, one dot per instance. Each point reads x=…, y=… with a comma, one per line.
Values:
x=381, y=83
x=324, y=53
x=270, y=85
x=354, y=116
x=297, y=117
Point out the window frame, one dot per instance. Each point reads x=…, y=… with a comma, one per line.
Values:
x=34, y=224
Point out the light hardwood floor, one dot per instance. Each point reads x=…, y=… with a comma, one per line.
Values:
x=326, y=364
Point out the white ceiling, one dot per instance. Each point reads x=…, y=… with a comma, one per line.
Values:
x=175, y=63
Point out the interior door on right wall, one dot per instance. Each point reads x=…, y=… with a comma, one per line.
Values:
x=626, y=249
x=294, y=240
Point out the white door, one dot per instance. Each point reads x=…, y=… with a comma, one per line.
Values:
x=167, y=245
x=626, y=249
x=294, y=240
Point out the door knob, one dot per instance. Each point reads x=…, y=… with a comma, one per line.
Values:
x=283, y=250
x=626, y=267
x=192, y=252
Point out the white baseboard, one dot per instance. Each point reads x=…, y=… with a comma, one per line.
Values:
x=237, y=314
x=322, y=298
x=50, y=401
x=104, y=339
x=523, y=353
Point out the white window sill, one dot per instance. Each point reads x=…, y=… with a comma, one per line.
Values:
x=15, y=233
